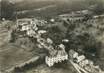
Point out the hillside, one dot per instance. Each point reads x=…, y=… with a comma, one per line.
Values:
x=50, y=8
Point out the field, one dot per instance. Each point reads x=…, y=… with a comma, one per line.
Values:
x=10, y=53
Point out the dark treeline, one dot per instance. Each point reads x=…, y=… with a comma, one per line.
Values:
x=7, y=10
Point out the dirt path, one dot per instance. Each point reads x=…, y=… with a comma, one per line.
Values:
x=3, y=35
x=59, y=68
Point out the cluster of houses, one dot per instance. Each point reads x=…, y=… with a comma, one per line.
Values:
x=55, y=54
x=38, y=22
x=82, y=64
x=80, y=16
x=60, y=57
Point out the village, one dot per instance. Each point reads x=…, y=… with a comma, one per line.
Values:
x=33, y=29
x=51, y=36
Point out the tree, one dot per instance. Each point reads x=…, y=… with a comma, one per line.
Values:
x=7, y=9
x=97, y=8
